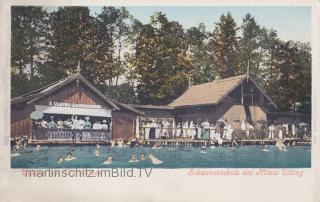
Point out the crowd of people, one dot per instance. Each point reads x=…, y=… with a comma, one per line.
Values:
x=74, y=123
x=152, y=129
x=109, y=159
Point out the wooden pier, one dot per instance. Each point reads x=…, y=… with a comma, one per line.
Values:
x=199, y=143
x=179, y=142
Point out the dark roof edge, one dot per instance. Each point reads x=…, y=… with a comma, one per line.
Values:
x=151, y=106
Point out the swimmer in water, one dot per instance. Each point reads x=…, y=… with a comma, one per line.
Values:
x=38, y=147
x=70, y=157
x=97, y=152
x=133, y=159
x=15, y=154
x=97, y=146
x=142, y=157
x=265, y=149
x=203, y=150
x=280, y=145
x=60, y=160
x=153, y=159
x=108, y=160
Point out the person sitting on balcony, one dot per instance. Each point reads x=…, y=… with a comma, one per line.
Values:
x=87, y=124
x=52, y=124
x=44, y=124
x=97, y=125
x=67, y=123
x=81, y=124
x=75, y=122
x=60, y=123
x=104, y=125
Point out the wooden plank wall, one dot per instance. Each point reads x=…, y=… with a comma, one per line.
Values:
x=123, y=124
x=72, y=93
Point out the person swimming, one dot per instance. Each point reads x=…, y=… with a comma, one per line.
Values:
x=70, y=157
x=97, y=146
x=133, y=159
x=108, y=160
x=265, y=148
x=38, y=147
x=97, y=153
x=15, y=154
x=154, y=160
x=157, y=146
x=280, y=145
x=142, y=157
x=60, y=160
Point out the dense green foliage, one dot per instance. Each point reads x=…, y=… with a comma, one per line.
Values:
x=153, y=63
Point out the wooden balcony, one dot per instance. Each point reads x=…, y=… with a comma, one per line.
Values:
x=65, y=135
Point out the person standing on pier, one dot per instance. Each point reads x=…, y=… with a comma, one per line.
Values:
x=206, y=129
x=192, y=130
x=158, y=129
x=243, y=128
x=271, y=131
x=165, y=129
x=178, y=132
x=280, y=135
x=185, y=128
x=293, y=130
x=199, y=131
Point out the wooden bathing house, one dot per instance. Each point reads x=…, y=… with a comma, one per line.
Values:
x=71, y=96
x=233, y=99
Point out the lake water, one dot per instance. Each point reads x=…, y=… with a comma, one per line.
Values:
x=218, y=157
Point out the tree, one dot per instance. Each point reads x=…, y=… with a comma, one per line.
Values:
x=225, y=47
x=202, y=68
x=250, y=46
x=29, y=42
x=161, y=60
x=71, y=32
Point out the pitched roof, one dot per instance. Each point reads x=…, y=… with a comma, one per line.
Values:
x=211, y=93
x=44, y=91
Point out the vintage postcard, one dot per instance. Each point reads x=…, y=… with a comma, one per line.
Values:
x=209, y=92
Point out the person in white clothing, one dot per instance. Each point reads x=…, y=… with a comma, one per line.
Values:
x=243, y=128
x=104, y=125
x=280, y=135
x=146, y=126
x=271, y=131
x=158, y=130
x=81, y=124
x=178, y=132
x=199, y=130
x=165, y=128
x=293, y=130
x=185, y=128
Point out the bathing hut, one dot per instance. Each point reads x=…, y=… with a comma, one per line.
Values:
x=233, y=99
x=71, y=98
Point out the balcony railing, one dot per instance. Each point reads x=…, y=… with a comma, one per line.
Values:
x=64, y=134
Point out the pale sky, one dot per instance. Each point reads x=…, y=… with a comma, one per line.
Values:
x=291, y=22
